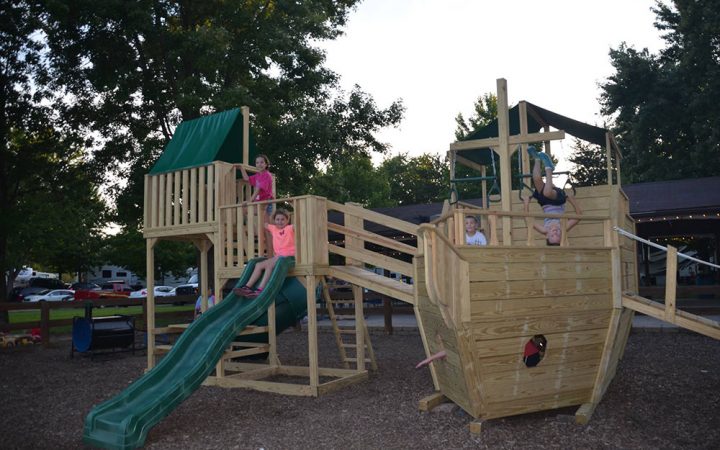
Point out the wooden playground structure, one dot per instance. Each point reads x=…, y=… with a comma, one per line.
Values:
x=478, y=305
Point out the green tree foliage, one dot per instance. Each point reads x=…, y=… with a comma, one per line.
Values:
x=51, y=212
x=665, y=106
x=485, y=111
x=136, y=69
x=590, y=164
x=355, y=180
x=422, y=179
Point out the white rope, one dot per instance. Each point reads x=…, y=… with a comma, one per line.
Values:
x=658, y=246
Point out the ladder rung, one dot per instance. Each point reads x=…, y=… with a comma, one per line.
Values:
x=355, y=360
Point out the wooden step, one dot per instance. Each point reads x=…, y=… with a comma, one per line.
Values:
x=354, y=360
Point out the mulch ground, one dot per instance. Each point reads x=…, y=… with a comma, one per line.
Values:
x=666, y=395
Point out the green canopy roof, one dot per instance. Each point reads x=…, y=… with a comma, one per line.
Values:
x=198, y=142
x=536, y=119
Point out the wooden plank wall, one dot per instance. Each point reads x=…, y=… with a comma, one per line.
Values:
x=450, y=372
x=562, y=293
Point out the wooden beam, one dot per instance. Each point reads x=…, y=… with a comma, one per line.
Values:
x=245, y=111
x=504, y=151
x=513, y=140
x=670, y=283
x=431, y=401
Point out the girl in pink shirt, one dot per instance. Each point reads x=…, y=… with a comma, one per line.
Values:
x=283, y=238
x=262, y=181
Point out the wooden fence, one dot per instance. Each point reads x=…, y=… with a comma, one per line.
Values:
x=46, y=324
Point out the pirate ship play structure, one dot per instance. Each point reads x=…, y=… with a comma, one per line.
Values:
x=477, y=306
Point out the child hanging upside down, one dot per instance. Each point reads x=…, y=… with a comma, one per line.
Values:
x=283, y=238
x=552, y=199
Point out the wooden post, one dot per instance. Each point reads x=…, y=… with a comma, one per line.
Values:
x=524, y=157
x=608, y=155
x=453, y=161
x=148, y=203
x=272, y=336
x=387, y=314
x=547, y=149
x=245, y=111
x=492, y=222
x=45, y=323
x=485, y=199
x=310, y=286
x=185, y=196
x=203, y=246
x=670, y=284
x=150, y=301
x=359, y=328
x=504, y=151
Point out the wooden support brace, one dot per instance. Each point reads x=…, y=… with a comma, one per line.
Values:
x=431, y=401
x=583, y=414
x=475, y=426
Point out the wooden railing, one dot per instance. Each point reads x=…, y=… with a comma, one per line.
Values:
x=361, y=245
x=190, y=199
x=242, y=236
x=452, y=225
x=447, y=276
x=46, y=324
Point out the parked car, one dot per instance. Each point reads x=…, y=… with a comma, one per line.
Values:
x=57, y=295
x=190, y=288
x=160, y=291
x=19, y=294
x=85, y=287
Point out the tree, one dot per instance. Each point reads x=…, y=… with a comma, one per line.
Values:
x=50, y=210
x=354, y=180
x=422, y=179
x=485, y=111
x=665, y=106
x=590, y=164
x=135, y=70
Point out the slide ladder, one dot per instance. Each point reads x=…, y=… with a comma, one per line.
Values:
x=346, y=335
x=124, y=421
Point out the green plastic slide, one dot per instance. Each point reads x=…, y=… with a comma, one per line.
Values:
x=124, y=421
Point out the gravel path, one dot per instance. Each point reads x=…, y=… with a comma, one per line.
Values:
x=665, y=395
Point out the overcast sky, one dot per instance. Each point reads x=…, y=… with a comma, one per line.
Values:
x=439, y=56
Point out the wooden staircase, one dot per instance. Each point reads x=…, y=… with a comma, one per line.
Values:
x=346, y=337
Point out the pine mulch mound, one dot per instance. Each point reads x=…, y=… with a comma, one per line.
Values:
x=666, y=395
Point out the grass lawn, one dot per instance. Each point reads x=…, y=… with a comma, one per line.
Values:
x=57, y=314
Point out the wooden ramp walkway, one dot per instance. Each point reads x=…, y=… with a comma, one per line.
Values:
x=374, y=282
x=668, y=313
